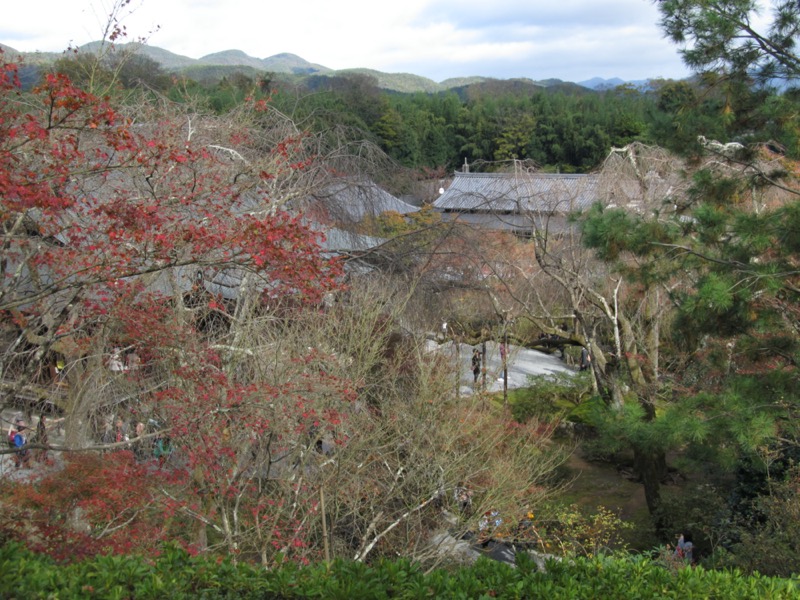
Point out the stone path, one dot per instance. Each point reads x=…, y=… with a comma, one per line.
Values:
x=522, y=363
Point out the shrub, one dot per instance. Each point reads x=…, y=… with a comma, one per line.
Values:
x=175, y=574
x=768, y=538
x=571, y=531
x=97, y=504
x=548, y=398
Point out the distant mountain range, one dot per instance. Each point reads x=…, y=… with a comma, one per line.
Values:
x=216, y=65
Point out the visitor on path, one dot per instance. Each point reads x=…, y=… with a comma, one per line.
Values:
x=488, y=525
x=42, y=437
x=162, y=450
x=684, y=548
x=133, y=362
x=120, y=431
x=12, y=431
x=476, y=364
x=22, y=455
x=107, y=437
x=463, y=497
x=586, y=359
x=115, y=363
x=142, y=449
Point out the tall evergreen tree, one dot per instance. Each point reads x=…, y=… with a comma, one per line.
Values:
x=723, y=36
x=723, y=252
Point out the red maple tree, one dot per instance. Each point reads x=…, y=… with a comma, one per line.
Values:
x=162, y=235
x=105, y=218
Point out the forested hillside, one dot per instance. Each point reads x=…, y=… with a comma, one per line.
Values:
x=555, y=125
x=559, y=126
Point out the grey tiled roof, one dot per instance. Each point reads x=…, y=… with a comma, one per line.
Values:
x=518, y=193
x=340, y=241
x=353, y=201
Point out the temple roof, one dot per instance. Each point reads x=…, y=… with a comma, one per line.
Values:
x=518, y=193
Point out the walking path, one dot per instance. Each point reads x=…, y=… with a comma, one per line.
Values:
x=522, y=363
x=37, y=469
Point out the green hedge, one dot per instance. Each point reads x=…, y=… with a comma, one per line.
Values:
x=176, y=575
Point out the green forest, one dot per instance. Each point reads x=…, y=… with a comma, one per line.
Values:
x=204, y=396
x=561, y=127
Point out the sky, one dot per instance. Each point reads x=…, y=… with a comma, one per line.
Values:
x=572, y=40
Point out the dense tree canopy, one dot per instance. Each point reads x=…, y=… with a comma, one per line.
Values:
x=713, y=372
x=158, y=271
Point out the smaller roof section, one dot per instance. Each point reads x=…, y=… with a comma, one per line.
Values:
x=348, y=201
x=516, y=193
x=340, y=241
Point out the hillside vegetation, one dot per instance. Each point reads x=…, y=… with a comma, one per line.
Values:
x=283, y=63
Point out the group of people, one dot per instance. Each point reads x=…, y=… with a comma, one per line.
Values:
x=119, y=363
x=19, y=440
x=477, y=360
x=144, y=447
x=21, y=437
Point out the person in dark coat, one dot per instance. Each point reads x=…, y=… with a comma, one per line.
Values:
x=586, y=359
x=476, y=364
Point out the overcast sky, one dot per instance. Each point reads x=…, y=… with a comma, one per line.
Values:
x=572, y=40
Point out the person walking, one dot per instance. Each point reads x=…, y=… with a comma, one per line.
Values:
x=586, y=359
x=684, y=548
x=42, y=437
x=476, y=364
x=22, y=455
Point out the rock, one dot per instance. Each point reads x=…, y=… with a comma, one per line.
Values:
x=468, y=550
x=499, y=551
x=77, y=521
x=541, y=559
x=458, y=550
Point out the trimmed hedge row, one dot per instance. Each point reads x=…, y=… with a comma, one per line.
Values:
x=175, y=574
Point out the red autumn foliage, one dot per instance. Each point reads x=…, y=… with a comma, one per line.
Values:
x=95, y=504
x=109, y=225
x=106, y=218
x=96, y=206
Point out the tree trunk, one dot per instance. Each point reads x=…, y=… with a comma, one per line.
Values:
x=76, y=410
x=201, y=527
x=651, y=466
x=200, y=536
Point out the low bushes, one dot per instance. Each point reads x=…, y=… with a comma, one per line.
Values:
x=552, y=398
x=176, y=574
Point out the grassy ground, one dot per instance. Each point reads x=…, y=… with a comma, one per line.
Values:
x=594, y=485
x=591, y=484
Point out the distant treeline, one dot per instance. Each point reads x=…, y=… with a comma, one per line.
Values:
x=562, y=127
